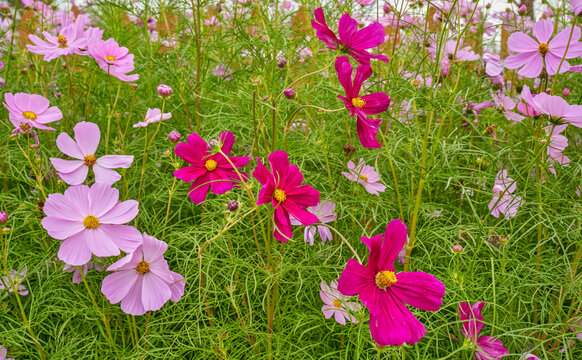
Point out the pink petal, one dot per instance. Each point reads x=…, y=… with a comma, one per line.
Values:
x=66, y=166
x=155, y=292
x=493, y=348
x=115, y=161
x=100, y=243
x=103, y=198
x=104, y=175
x=520, y=42
x=121, y=213
x=543, y=30
x=58, y=206
x=69, y=147
x=75, y=177
x=87, y=136
x=177, y=287
x=61, y=229
x=127, y=238
x=78, y=198
x=116, y=286
x=132, y=303
x=153, y=249
x=74, y=250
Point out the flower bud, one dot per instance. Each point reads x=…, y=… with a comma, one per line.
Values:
x=174, y=136
x=232, y=205
x=387, y=8
x=164, y=90
x=457, y=249
x=566, y=92
x=3, y=217
x=6, y=230
x=265, y=98
x=133, y=85
x=282, y=63
x=4, y=8
x=522, y=10
x=212, y=144
x=289, y=93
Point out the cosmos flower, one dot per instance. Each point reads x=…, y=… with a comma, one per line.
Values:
x=384, y=292
x=556, y=108
x=504, y=202
x=153, y=116
x=325, y=211
x=143, y=281
x=208, y=170
x=113, y=59
x=336, y=304
x=3, y=353
x=366, y=176
x=64, y=44
x=282, y=187
x=487, y=347
x=83, y=148
x=556, y=145
x=77, y=277
x=576, y=6
x=13, y=281
x=27, y=111
x=89, y=220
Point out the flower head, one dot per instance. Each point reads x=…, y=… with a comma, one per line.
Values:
x=325, y=212
x=504, y=202
x=174, y=136
x=336, y=304
x=487, y=347
x=3, y=353
x=153, y=116
x=113, y=59
x=556, y=108
x=556, y=146
x=13, y=282
x=67, y=42
x=164, y=90
x=3, y=217
x=27, y=111
x=366, y=176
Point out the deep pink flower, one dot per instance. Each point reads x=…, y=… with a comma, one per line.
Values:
x=532, y=54
x=336, y=304
x=504, y=202
x=13, y=281
x=66, y=43
x=370, y=104
x=153, y=116
x=352, y=41
x=385, y=292
x=28, y=111
x=209, y=170
x=555, y=107
x=487, y=347
x=83, y=148
x=142, y=281
x=113, y=59
x=325, y=212
x=282, y=187
x=89, y=220
x=366, y=176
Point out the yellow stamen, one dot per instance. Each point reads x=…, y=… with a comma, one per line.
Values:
x=210, y=165
x=364, y=178
x=29, y=115
x=280, y=195
x=543, y=48
x=62, y=41
x=143, y=267
x=91, y=222
x=358, y=102
x=385, y=278
x=110, y=58
x=337, y=304
x=90, y=160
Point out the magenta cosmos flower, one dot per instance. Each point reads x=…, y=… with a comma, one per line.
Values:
x=113, y=59
x=384, y=292
x=366, y=176
x=89, y=220
x=555, y=107
x=352, y=41
x=209, y=170
x=28, y=111
x=531, y=54
x=325, y=212
x=504, y=202
x=153, y=116
x=336, y=304
x=487, y=347
x=142, y=281
x=282, y=187
x=83, y=148
x=370, y=104
x=68, y=42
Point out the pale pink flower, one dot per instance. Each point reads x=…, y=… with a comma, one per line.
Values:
x=555, y=107
x=77, y=277
x=113, y=59
x=576, y=6
x=325, y=211
x=366, y=176
x=504, y=202
x=336, y=304
x=153, y=116
x=13, y=281
x=556, y=145
x=28, y=111
x=64, y=44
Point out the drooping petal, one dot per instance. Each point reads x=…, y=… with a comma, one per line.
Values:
x=367, y=131
x=491, y=348
x=473, y=320
x=282, y=226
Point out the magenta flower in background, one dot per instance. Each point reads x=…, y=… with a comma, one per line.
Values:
x=142, y=281
x=487, y=347
x=555, y=107
x=370, y=104
x=153, y=116
x=113, y=59
x=282, y=187
x=28, y=111
x=66, y=43
x=325, y=211
x=3, y=353
x=532, y=54
x=504, y=202
x=366, y=176
x=576, y=6
x=336, y=304
x=556, y=145
x=385, y=292
x=13, y=281
x=83, y=148
x=89, y=220
x=352, y=41
x=209, y=170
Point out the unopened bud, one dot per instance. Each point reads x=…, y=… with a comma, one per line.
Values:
x=174, y=136
x=349, y=149
x=289, y=93
x=232, y=205
x=566, y=92
x=164, y=90
x=3, y=217
x=522, y=10
x=457, y=249
x=282, y=63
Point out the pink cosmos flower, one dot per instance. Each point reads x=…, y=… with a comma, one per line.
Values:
x=3, y=353
x=77, y=277
x=282, y=187
x=487, y=347
x=83, y=148
x=142, y=281
x=13, y=281
x=28, y=111
x=493, y=68
x=576, y=6
x=361, y=106
x=557, y=144
x=336, y=304
x=89, y=220
x=454, y=52
x=385, y=292
x=113, y=59
x=66, y=43
x=325, y=211
x=352, y=41
x=529, y=357
x=222, y=72
x=153, y=116
x=366, y=176
x=209, y=170
x=504, y=202
x=505, y=104
x=532, y=54
x=555, y=107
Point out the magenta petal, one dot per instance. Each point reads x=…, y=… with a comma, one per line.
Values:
x=282, y=226
x=220, y=182
x=303, y=196
x=355, y=279
x=190, y=173
x=304, y=216
x=473, y=320
x=265, y=194
x=491, y=347
x=199, y=190
x=363, y=72
x=375, y=103
x=116, y=286
x=194, y=150
x=394, y=240
x=74, y=250
x=419, y=289
x=279, y=165
x=155, y=292
x=132, y=303
x=371, y=36
x=344, y=73
x=347, y=28
x=261, y=173
x=367, y=131
x=374, y=245
x=226, y=140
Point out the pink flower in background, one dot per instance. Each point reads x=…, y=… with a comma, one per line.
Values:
x=325, y=211
x=113, y=59
x=89, y=220
x=505, y=104
x=556, y=145
x=282, y=187
x=576, y=6
x=352, y=41
x=493, y=68
x=504, y=202
x=532, y=54
x=366, y=176
x=222, y=72
x=66, y=43
x=370, y=104
x=28, y=111
x=454, y=52
x=143, y=281
x=83, y=148
x=13, y=281
x=336, y=304
x=3, y=353
x=555, y=107
x=385, y=292
x=529, y=357
x=487, y=347
x=153, y=116
x=77, y=277
x=209, y=170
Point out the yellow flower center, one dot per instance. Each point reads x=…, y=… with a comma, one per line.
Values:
x=62, y=41
x=364, y=178
x=210, y=165
x=143, y=267
x=280, y=195
x=90, y=160
x=29, y=115
x=337, y=304
x=91, y=222
x=385, y=278
x=543, y=48
x=358, y=102
x=110, y=58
